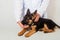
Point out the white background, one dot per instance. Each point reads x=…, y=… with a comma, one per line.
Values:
x=9, y=28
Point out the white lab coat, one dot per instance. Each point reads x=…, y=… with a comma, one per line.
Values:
x=21, y=6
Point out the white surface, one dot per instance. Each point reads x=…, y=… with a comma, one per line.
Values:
x=9, y=28
x=11, y=34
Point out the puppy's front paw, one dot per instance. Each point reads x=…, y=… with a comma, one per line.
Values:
x=22, y=32
x=30, y=33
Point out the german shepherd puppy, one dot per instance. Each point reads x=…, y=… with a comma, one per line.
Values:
x=46, y=25
x=27, y=20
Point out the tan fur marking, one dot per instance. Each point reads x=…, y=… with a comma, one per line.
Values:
x=45, y=29
x=22, y=32
x=31, y=31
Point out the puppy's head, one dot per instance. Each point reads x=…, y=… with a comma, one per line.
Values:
x=29, y=17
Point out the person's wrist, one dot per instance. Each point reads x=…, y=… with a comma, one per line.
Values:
x=25, y=26
x=37, y=17
x=19, y=23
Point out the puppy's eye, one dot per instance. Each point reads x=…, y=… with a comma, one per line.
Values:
x=30, y=17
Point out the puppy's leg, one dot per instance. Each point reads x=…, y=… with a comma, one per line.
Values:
x=46, y=30
x=22, y=32
x=31, y=31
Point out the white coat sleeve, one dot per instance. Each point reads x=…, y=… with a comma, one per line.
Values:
x=42, y=8
x=18, y=9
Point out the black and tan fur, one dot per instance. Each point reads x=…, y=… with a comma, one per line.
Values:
x=46, y=25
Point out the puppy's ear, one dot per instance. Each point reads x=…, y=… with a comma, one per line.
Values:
x=28, y=12
x=35, y=12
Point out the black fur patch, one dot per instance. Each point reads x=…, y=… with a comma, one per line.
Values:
x=40, y=24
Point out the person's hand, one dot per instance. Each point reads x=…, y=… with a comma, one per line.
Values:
x=21, y=25
x=37, y=17
x=25, y=26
